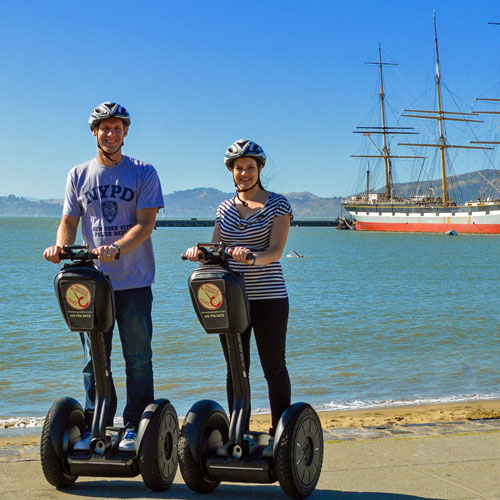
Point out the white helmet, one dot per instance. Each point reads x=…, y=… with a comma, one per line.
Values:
x=108, y=110
x=241, y=148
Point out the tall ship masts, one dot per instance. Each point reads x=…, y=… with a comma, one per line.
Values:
x=411, y=211
x=385, y=131
x=441, y=116
x=385, y=151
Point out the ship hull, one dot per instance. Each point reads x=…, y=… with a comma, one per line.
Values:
x=478, y=219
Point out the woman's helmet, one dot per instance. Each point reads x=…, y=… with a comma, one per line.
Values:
x=108, y=110
x=241, y=148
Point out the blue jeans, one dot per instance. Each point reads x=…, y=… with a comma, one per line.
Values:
x=133, y=315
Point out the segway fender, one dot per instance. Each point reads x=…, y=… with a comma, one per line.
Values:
x=145, y=419
x=285, y=418
x=195, y=421
x=62, y=412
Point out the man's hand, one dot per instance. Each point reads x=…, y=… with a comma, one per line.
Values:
x=106, y=253
x=52, y=254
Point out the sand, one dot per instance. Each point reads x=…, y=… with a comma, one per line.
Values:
x=376, y=417
x=400, y=415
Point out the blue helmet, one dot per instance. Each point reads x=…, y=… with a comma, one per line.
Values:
x=108, y=110
x=241, y=148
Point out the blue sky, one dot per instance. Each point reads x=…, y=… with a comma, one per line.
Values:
x=198, y=74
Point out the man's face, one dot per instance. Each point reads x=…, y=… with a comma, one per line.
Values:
x=110, y=134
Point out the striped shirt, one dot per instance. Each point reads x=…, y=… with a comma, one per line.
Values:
x=261, y=282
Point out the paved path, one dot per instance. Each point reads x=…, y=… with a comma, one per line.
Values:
x=442, y=461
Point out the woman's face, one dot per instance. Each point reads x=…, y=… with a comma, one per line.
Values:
x=246, y=172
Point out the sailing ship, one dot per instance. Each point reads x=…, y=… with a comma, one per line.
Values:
x=385, y=210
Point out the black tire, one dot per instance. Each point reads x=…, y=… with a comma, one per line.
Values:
x=158, y=452
x=53, y=466
x=299, y=455
x=215, y=432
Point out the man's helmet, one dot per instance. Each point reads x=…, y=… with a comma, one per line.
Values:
x=241, y=148
x=108, y=110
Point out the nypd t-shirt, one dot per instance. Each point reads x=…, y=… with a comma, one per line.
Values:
x=106, y=199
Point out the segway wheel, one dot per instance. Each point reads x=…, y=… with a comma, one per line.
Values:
x=299, y=455
x=158, y=452
x=214, y=431
x=52, y=464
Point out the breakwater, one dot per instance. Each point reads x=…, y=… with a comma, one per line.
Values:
x=194, y=222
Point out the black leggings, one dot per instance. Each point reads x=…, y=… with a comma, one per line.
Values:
x=268, y=319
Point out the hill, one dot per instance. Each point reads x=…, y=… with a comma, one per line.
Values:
x=13, y=205
x=199, y=202
x=464, y=187
x=203, y=202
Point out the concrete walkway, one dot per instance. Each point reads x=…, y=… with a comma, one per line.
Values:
x=441, y=461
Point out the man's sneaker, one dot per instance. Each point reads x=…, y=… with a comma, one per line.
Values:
x=128, y=441
x=84, y=442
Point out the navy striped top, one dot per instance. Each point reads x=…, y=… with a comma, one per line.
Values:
x=261, y=282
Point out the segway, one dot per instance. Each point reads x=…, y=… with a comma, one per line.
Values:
x=212, y=448
x=86, y=300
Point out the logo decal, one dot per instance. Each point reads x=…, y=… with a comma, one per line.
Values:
x=78, y=296
x=109, y=210
x=210, y=296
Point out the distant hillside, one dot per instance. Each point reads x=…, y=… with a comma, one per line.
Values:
x=203, y=203
x=464, y=187
x=13, y=205
x=307, y=206
x=199, y=202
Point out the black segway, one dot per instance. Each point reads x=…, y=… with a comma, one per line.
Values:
x=87, y=304
x=212, y=448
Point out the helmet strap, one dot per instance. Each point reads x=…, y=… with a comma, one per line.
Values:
x=108, y=155
x=238, y=191
x=243, y=202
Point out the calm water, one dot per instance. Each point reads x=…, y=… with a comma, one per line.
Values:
x=376, y=319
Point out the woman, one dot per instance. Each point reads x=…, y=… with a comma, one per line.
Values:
x=257, y=221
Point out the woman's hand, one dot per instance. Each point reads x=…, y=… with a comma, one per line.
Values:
x=193, y=254
x=240, y=254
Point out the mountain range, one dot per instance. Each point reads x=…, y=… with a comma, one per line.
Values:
x=464, y=187
x=203, y=202
x=199, y=203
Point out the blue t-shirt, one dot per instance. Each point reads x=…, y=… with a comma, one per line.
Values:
x=261, y=282
x=107, y=200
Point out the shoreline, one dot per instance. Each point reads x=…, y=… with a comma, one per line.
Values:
x=335, y=419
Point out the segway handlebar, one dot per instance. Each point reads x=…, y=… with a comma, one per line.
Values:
x=78, y=252
x=215, y=253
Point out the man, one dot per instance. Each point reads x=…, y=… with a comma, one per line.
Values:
x=117, y=199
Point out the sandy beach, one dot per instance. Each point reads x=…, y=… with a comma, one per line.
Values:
x=376, y=417
x=400, y=415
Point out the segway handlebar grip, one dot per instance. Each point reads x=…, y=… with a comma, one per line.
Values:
x=217, y=255
x=76, y=252
x=79, y=252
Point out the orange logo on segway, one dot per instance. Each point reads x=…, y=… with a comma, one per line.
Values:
x=210, y=296
x=78, y=296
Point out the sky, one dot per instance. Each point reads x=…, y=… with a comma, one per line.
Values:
x=196, y=75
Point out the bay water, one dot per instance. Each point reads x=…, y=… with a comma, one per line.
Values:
x=375, y=320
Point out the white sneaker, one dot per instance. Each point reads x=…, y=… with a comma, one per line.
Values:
x=84, y=442
x=128, y=441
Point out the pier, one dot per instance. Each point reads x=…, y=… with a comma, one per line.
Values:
x=194, y=222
